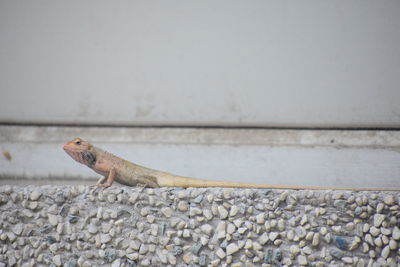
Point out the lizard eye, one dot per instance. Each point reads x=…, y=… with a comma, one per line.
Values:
x=78, y=142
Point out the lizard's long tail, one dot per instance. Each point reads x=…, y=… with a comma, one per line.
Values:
x=169, y=180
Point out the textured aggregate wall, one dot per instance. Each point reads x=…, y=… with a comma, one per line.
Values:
x=120, y=226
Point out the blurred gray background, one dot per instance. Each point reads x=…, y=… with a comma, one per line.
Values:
x=279, y=64
x=265, y=63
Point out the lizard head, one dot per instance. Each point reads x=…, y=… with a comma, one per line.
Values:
x=81, y=151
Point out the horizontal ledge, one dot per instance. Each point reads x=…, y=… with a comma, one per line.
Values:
x=212, y=125
x=203, y=136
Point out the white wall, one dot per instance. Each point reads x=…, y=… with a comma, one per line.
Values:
x=357, y=159
x=267, y=63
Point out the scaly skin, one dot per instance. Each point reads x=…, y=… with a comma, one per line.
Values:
x=113, y=168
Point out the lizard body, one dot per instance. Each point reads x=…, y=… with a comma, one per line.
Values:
x=113, y=168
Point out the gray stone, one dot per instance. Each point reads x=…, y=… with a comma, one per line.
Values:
x=194, y=211
x=231, y=249
x=73, y=219
x=366, y=227
x=92, y=228
x=380, y=207
x=33, y=205
x=167, y=211
x=35, y=195
x=294, y=250
x=223, y=213
x=203, y=260
x=336, y=253
x=183, y=206
x=143, y=249
x=177, y=251
x=350, y=226
x=309, y=236
x=17, y=229
x=260, y=218
x=207, y=229
x=233, y=210
x=347, y=260
x=273, y=236
x=302, y=260
x=230, y=228
x=341, y=242
x=207, y=214
x=385, y=252
x=268, y=256
x=53, y=220
x=264, y=238
x=386, y=231
x=53, y=248
x=116, y=263
x=281, y=225
x=290, y=235
x=301, y=232
x=51, y=239
x=323, y=231
x=315, y=240
x=71, y=263
x=358, y=211
x=392, y=244
x=221, y=230
x=196, y=248
x=198, y=199
x=64, y=210
x=171, y=259
x=378, y=242
x=57, y=260
x=304, y=220
x=389, y=200
x=360, y=263
x=45, y=228
x=378, y=219
x=374, y=231
x=220, y=253
x=105, y=238
x=396, y=233
x=278, y=255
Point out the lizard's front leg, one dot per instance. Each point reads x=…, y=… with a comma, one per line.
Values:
x=101, y=181
x=110, y=179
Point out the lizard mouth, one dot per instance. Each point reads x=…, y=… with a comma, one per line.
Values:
x=66, y=147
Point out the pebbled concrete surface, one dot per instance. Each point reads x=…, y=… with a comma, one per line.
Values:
x=120, y=226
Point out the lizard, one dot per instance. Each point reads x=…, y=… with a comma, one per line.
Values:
x=113, y=168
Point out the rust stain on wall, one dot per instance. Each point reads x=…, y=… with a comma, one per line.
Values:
x=7, y=155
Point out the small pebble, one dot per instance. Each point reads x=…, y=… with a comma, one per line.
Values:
x=389, y=200
x=183, y=206
x=396, y=233
x=35, y=195
x=223, y=213
x=302, y=260
x=385, y=252
x=378, y=219
x=347, y=260
x=57, y=260
x=231, y=249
